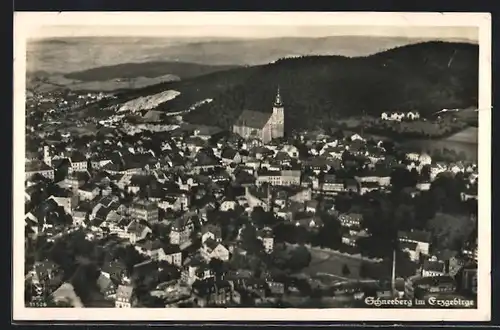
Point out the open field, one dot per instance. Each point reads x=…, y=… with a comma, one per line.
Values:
x=464, y=142
x=325, y=264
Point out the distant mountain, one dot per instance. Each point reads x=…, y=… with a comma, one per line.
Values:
x=66, y=55
x=148, y=70
x=319, y=89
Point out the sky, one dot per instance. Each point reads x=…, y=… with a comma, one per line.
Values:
x=257, y=32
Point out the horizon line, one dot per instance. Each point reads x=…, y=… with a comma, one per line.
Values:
x=212, y=37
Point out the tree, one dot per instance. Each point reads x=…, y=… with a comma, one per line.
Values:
x=300, y=257
x=217, y=266
x=450, y=231
x=364, y=270
x=250, y=242
x=330, y=234
x=425, y=173
x=129, y=256
x=345, y=270
x=262, y=218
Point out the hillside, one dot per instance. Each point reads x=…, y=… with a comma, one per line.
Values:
x=83, y=53
x=319, y=89
x=148, y=70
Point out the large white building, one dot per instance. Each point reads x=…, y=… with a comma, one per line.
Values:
x=262, y=125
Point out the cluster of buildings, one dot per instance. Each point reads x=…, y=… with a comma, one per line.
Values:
x=400, y=116
x=116, y=187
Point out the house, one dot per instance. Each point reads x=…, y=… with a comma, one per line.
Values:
x=43, y=271
x=423, y=186
x=332, y=184
x=438, y=168
x=351, y=237
x=421, y=238
x=413, y=156
x=468, y=278
x=211, y=292
x=194, y=144
x=308, y=221
x=276, y=288
x=99, y=161
x=267, y=238
x=211, y=231
x=311, y=206
x=358, y=137
x=65, y=294
x=137, y=231
x=66, y=200
x=38, y=167
x=412, y=249
x=196, y=269
x=291, y=150
x=433, y=267
x=213, y=249
x=301, y=196
x=230, y=155
x=351, y=185
x=125, y=297
x=78, y=162
x=255, y=198
x=469, y=193
x=158, y=251
x=88, y=191
x=350, y=219
x=412, y=115
x=380, y=175
x=181, y=230
x=366, y=187
x=106, y=286
x=227, y=205
x=31, y=226
x=282, y=158
x=115, y=271
x=420, y=287
x=424, y=159
x=175, y=201
x=278, y=178
x=144, y=210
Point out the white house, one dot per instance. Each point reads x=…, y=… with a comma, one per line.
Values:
x=213, y=249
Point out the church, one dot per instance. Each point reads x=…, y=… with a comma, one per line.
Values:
x=262, y=125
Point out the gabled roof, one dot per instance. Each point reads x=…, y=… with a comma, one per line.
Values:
x=124, y=291
x=228, y=153
x=216, y=230
x=211, y=244
x=104, y=283
x=77, y=157
x=415, y=235
x=36, y=165
x=113, y=267
x=253, y=119
x=434, y=265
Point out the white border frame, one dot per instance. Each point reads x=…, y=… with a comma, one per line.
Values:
x=25, y=23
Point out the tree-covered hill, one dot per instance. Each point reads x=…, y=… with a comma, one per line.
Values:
x=147, y=69
x=317, y=89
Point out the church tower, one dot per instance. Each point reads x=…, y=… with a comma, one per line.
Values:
x=278, y=118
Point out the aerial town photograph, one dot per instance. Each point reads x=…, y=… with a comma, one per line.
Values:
x=312, y=167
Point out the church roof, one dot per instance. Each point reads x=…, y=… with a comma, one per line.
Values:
x=253, y=119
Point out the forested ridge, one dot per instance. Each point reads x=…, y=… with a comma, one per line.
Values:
x=425, y=77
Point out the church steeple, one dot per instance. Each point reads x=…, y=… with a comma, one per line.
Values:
x=277, y=101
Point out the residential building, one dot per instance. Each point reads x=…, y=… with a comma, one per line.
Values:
x=181, y=230
x=125, y=297
x=38, y=167
x=145, y=210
